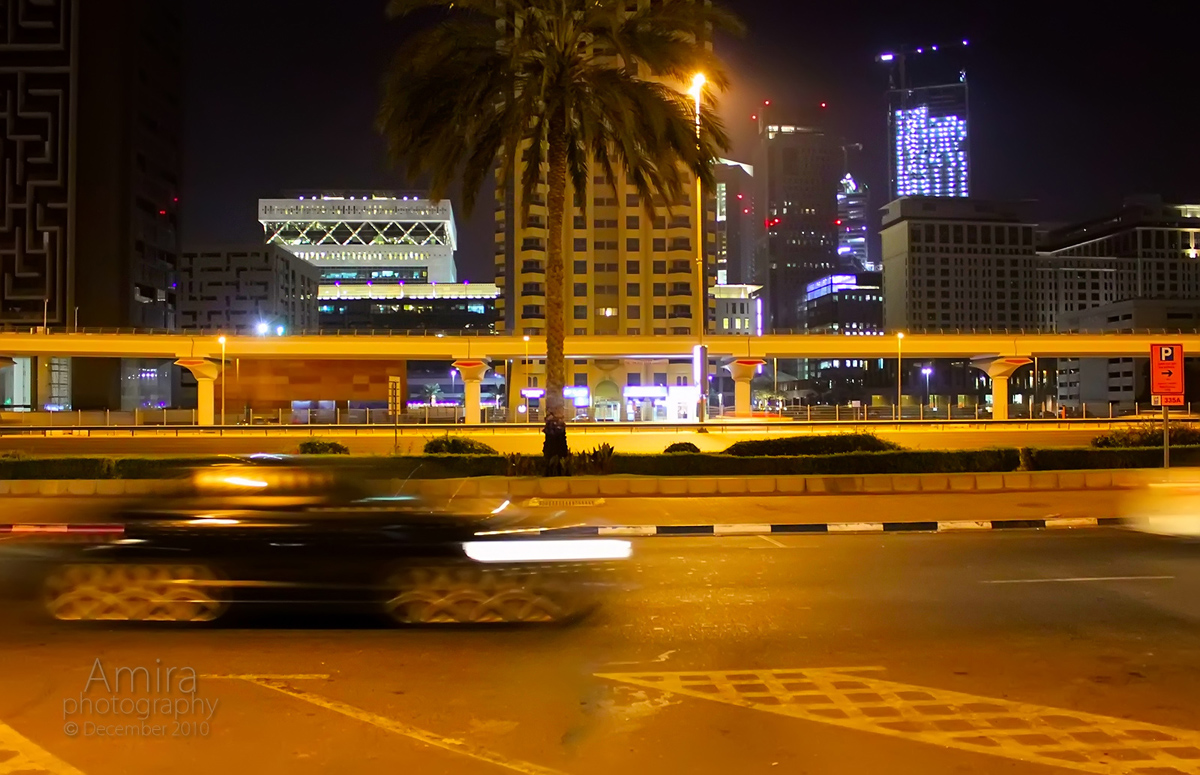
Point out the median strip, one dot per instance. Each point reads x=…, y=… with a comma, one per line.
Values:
x=646, y=531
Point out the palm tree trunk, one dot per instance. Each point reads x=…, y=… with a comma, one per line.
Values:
x=555, y=430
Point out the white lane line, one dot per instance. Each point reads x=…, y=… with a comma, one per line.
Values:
x=20, y=755
x=1078, y=578
x=773, y=542
x=461, y=747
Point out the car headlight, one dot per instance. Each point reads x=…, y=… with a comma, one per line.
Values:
x=547, y=551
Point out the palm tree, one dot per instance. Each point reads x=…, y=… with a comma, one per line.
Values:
x=550, y=87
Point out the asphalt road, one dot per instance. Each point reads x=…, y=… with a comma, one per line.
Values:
x=1025, y=652
x=381, y=442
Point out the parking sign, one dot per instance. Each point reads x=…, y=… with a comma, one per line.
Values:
x=1166, y=369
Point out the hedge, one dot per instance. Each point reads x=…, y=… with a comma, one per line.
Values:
x=818, y=444
x=1128, y=457
x=453, y=466
x=893, y=462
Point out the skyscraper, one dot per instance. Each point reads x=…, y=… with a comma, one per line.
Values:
x=92, y=187
x=852, y=213
x=929, y=152
x=799, y=169
x=734, y=222
x=928, y=124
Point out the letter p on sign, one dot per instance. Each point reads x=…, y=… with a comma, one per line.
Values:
x=1166, y=352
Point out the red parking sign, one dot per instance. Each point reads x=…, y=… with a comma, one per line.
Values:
x=1166, y=369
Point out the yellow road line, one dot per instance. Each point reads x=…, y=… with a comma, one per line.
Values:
x=19, y=754
x=1030, y=733
x=460, y=747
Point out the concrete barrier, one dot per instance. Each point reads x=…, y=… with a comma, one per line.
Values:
x=671, y=486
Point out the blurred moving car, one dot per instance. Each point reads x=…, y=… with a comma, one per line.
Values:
x=1170, y=508
x=254, y=533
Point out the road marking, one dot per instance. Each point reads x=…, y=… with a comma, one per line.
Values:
x=271, y=677
x=773, y=542
x=20, y=755
x=1079, y=578
x=1014, y=730
x=400, y=728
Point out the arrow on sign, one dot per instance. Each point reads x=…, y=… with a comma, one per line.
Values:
x=1167, y=373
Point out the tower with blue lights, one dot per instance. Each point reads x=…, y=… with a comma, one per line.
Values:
x=928, y=125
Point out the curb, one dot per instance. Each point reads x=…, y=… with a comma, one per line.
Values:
x=950, y=526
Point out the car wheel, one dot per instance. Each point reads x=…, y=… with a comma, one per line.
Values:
x=134, y=592
x=469, y=595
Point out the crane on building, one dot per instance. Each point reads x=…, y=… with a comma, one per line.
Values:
x=897, y=58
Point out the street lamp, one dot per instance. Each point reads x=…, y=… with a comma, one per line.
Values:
x=701, y=295
x=927, y=371
x=262, y=328
x=221, y=339
x=899, y=370
x=453, y=374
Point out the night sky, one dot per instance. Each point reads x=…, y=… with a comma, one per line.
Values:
x=1071, y=106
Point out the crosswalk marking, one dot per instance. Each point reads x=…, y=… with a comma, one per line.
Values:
x=1015, y=730
x=19, y=755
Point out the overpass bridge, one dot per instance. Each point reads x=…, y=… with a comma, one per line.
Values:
x=998, y=353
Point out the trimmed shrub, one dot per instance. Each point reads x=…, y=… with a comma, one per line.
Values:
x=681, y=447
x=817, y=444
x=457, y=445
x=1124, y=457
x=56, y=468
x=1148, y=435
x=323, y=447
x=891, y=462
x=598, y=462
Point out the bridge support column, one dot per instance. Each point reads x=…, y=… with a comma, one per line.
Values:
x=742, y=371
x=999, y=369
x=472, y=373
x=206, y=373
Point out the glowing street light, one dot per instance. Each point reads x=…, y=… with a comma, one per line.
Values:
x=262, y=328
x=926, y=371
x=899, y=370
x=701, y=294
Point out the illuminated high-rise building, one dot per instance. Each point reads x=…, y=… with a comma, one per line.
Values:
x=929, y=154
x=797, y=178
x=734, y=221
x=852, y=208
x=929, y=148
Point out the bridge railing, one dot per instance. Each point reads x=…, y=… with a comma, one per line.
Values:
x=442, y=414
x=484, y=332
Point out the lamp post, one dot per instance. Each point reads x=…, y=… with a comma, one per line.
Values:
x=453, y=374
x=927, y=371
x=701, y=295
x=221, y=339
x=899, y=370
